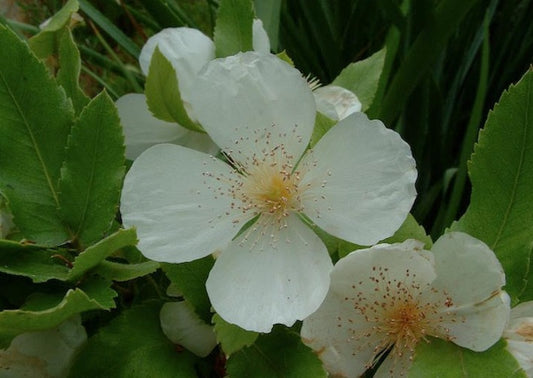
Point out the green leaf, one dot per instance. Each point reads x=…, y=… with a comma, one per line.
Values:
x=269, y=12
x=163, y=94
x=35, y=120
x=31, y=261
x=69, y=71
x=410, y=229
x=278, y=354
x=232, y=338
x=233, y=30
x=133, y=346
x=190, y=278
x=444, y=359
x=95, y=254
x=92, y=174
x=45, y=42
x=124, y=272
x=322, y=126
x=501, y=172
x=362, y=78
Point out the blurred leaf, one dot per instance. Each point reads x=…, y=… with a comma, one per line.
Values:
x=35, y=120
x=501, y=171
x=163, y=94
x=444, y=359
x=280, y=354
x=124, y=272
x=269, y=12
x=322, y=125
x=362, y=78
x=133, y=346
x=91, y=176
x=190, y=278
x=233, y=29
x=410, y=229
x=232, y=338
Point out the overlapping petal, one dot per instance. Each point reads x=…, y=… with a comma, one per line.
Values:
x=362, y=181
x=260, y=41
x=336, y=102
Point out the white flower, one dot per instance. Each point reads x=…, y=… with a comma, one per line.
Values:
x=188, y=50
x=390, y=297
x=336, y=102
x=357, y=184
x=519, y=335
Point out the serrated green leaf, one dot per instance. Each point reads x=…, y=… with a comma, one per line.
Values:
x=133, y=346
x=124, y=272
x=35, y=120
x=501, y=172
x=92, y=174
x=280, y=354
x=69, y=70
x=45, y=42
x=232, y=338
x=446, y=360
x=233, y=30
x=36, y=263
x=190, y=278
x=322, y=126
x=362, y=78
x=285, y=57
x=163, y=94
x=95, y=254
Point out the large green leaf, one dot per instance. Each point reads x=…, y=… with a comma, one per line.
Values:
x=444, y=359
x=280, y=354
x=501, y=171
x=233, y=30
x=35, y=120
x=124, y=272
x=362, y=78
x=133, y=346
x=91, y=176
x=232, y=337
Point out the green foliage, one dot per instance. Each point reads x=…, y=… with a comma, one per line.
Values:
x=446, y=360
x=362, y=78
x=233, y=30
x=269, y=11
x=163, y=93
x=410, y=229
x=91, y=176
x=36, y=119
x=276, y=355
x=124, y=272
x=322, y=125
x=501, y=171
x=133, y=346
x=232, y=338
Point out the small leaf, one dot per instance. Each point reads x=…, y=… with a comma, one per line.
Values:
x=163, y=94
x=233, y=30
x=232, y=338
x=362, y=78
x=501, y=171
x=133, y=346
x=446, y=360
x=322, y=126
x=92, y=174
x=190, y=278
x=410, y=229
x=35, y=120
x=124, y=272
x=280, y=354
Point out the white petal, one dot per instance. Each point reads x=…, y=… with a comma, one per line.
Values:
x=481, y=326
x=394, y=366
x=199, y=142
x=362, y=181
x=467, y=269
x=522, y=310
x=172, y=196
x=250, y=101
x=256, y=283
x=261, y=43
x=141, y=129
x=523, y=352
x=182, y=326
x=336, y=102
x=188, y=50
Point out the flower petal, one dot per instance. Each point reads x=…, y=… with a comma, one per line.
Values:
x=336, y=102
x=199, y=142
x=181, y=211
x=523, y=353
x=252, y=102
x=261, y=43
x=182, y=326
x=361, y=179
x=188, y=50
x=256, y=284
x=141, y=129
x=461, y=258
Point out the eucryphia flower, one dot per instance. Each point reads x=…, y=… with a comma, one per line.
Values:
x=391, y=296
x=519, y=335
x=188, y=50
x=357, y=184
